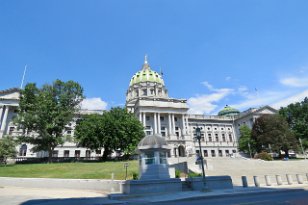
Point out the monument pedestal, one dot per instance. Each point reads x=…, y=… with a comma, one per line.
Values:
x=212, y=182
x=137, y=187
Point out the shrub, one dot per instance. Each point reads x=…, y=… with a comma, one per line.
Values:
x=135, y=176
x=194, y=174
x=177, y=173
x=264, y=156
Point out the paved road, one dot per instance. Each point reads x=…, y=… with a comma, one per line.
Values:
x=299, y=197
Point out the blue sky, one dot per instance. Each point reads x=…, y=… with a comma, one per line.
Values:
x=212, y=53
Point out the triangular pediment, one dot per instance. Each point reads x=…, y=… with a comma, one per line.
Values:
x=266, y=110
x=10, y=94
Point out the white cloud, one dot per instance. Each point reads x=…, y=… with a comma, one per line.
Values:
x=94, y=104
x=244, y=98
x=295, y=82
x=208, y=85
x=261, y=98
x=291, y=99
x=206, y=103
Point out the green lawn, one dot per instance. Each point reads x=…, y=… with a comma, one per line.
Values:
x=99, y=170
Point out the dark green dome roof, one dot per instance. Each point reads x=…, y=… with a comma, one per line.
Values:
x=228, y=111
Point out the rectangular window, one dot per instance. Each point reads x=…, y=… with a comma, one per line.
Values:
x=98, y=151
x=227, y=153
x=213, y=154
x=162, y=118
x=220, y=153
x=66, y=153
x=11, y=130
x=147, y=118
x=77, y=153
x=144, y=92
x=176, y=119
x=205, y=153
x=202, y=138
x=223, y=138
x=55, y=153
x=210, y=139
x=230, y=138
x=88, y=153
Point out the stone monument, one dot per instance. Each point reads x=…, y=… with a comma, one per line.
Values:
x=153, y=169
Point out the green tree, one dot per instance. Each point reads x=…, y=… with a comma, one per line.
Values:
x=7, y=149
x=44, y=112
x=114, y=130
x=272, y=133
x=245, y=140
x=296, y=115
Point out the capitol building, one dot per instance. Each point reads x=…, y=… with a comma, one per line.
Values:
x=147, y=97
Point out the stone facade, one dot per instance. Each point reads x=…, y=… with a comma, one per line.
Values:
x=148, y=99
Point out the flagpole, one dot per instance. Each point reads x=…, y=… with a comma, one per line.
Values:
x=23, y=77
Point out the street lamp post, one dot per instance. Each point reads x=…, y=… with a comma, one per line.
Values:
x=198, y=136
x=300, y=141
x=249, y=150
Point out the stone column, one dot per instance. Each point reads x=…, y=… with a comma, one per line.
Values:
x=3, y=124
x=184, y=125
x=173, y=124
x=170, y=126
x=155, y=124
x=158, y=122
x=1, y=112
x=140, y=117
x=144, y=119
x=187, y=124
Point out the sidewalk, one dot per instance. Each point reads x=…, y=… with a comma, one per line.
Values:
x=186, y=195
x=31, y=196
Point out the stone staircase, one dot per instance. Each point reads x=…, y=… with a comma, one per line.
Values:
x=240, y=166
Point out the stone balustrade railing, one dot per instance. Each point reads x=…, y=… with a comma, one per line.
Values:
x=276, y=180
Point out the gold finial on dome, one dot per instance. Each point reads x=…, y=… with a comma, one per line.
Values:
x=146, y=59
x=146, y=64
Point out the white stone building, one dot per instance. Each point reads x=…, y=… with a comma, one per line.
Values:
x=9, y=102
x=147, y=97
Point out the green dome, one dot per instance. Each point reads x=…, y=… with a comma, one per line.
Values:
x=228, y=111
x=146, y=75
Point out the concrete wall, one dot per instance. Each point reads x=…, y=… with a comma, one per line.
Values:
x=213, y=182
x=85, y=184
